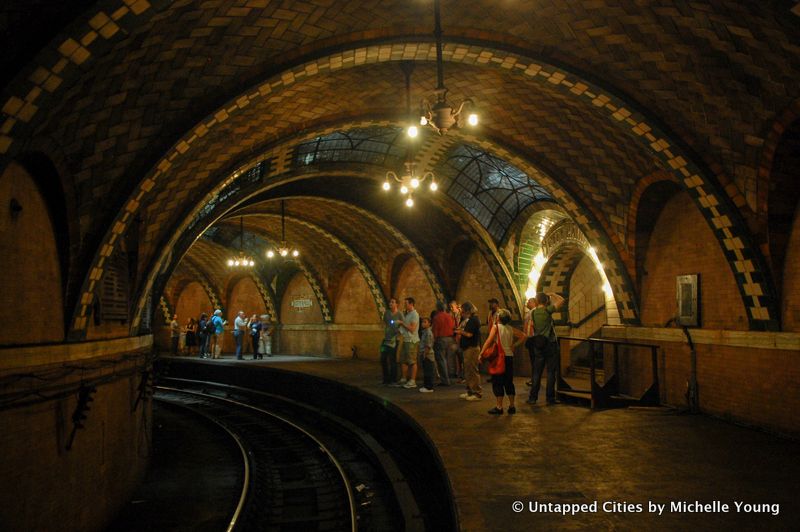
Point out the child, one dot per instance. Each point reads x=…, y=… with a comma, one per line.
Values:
x=426, y=354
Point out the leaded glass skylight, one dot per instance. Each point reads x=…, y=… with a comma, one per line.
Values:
x=370, y=145
x=492, y=190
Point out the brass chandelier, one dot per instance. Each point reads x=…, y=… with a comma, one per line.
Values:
x=409, y=182
x=442, y=116
x=241, y=259
x=283, y=250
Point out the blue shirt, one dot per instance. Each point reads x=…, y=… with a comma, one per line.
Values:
x=217, y=321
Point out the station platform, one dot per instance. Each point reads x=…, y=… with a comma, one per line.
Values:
x=606, y=469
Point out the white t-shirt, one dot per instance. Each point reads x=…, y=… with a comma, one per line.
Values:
x=240, y=323
x=408, y=319
x=506, y=336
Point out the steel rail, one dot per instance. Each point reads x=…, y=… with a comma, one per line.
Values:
x=348, y=488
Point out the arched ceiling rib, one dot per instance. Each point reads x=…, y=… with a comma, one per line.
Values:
x=716, y=75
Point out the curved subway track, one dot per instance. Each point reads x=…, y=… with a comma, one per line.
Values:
x=306, y=468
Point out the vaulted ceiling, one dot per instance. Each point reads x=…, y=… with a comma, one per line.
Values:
x=175, y=117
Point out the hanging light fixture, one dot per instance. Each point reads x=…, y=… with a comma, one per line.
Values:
x=442, y=116
x=241, y=260
x=409, y=181
x=283, y=250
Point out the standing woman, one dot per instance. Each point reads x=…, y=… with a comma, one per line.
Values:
x=255, y=335
x=503, y=383
x=458, y=354
x=191, y=336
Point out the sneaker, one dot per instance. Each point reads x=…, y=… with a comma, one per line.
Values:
x=401, y=382
x=463, y=395
x=512, y=410
x=474, y=397
x=410, y=384
x=531, y=401
x=495, y=411
x=425, y=390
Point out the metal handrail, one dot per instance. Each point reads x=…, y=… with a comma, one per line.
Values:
x=601, y=395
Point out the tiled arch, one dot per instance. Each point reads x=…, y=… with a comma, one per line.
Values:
x=754, y=280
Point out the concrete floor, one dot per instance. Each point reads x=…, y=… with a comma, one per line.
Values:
x=569, y=455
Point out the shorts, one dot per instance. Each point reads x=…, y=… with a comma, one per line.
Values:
x=408, y=355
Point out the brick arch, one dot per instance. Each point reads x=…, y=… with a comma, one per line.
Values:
x=33, y=286
x=360, y=264
x=702, y=184
x=778, y=192
x=234, y=287
x=637, y=235
x=556, y=275
x=212, y=290
x=178, y=306
x=408, y=246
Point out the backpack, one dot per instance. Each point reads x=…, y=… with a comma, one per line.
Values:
x=211, y=327
x=540, y=341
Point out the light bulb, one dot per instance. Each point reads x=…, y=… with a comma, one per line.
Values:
x=270, y=254
x=252, y=263
x=414, y=182
x=472, y=119
x=423, y=121
x=404, y=189
x=409, y=202
x=413, y=131
x=236, y=263
x=386, y=186
x=230, y=262
x=284, y=252
x=434, y=187
x=295, y=253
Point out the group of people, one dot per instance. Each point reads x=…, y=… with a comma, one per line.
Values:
x=203, y=337
x=455, y=333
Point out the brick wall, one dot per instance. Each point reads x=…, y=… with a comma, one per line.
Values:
x=753, y=379
x=243, y=295
x=354, y=303
x=682, y=243
x=192, y=302
x=586, y=295
x=411, y=282
x=297, y=342
x=790, y=300
x=32, y=290
x=478, y=285
x=45, y=487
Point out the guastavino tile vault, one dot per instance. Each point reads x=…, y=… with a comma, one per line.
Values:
x=302, y=166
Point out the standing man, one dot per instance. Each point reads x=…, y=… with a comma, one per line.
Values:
x=239, y=328
x=409, y=327
x=265, y=342
x=443, y=327
x=470, y=344
x=175, y=334
x=545, y=350
x=219, y=326
x=391, y=323
x=527, y=328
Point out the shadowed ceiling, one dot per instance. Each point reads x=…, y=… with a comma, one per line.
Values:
x=148, y=108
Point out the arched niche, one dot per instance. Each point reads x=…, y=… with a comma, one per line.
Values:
x=191, y=302
x=411, y=282
x=299, y=305
x=784, y=232
x=477, y=284
x=31, y=298
x=681, y=243
x=790, y=296
x=354, y=302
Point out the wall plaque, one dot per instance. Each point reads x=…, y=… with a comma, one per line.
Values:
x=688, y=298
